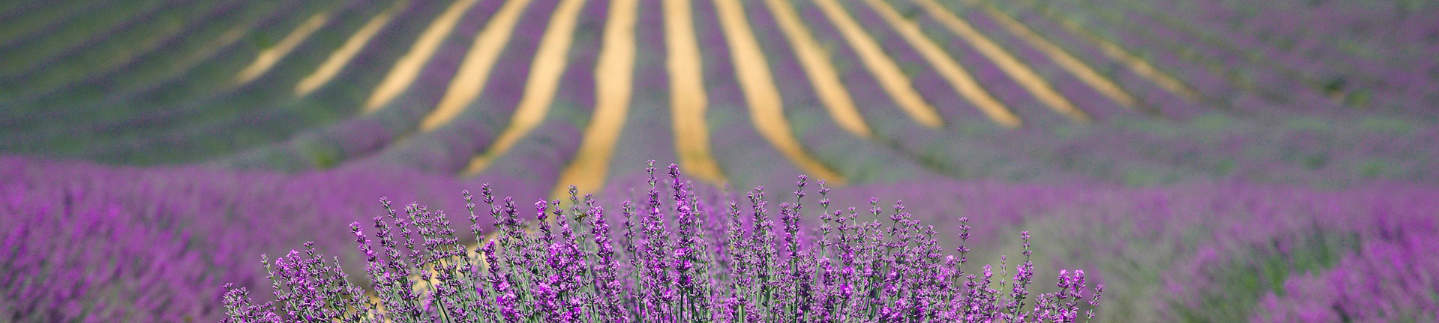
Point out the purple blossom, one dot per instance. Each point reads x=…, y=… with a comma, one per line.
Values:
x=565, y=278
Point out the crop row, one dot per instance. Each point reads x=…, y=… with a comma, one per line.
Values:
x=919, y=93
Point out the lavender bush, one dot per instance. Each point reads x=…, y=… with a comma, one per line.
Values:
x=1386, y=280
x=91, y=243
x=687, y=260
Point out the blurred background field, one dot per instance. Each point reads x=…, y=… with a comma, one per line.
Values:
x=1209, y=160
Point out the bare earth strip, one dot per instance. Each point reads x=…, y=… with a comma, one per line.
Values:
x=1061, y=57
x=1016, y=70
x=765, y=106
x=614, y=79
x=174, y=68
x=885, y=70
x=687, y=94
x=342, y=56
x=964, y=84
x=409, y=66
x=473, y=73
x=545, y=72
x=1136, y=64
x=819, y=69
x=269, y=56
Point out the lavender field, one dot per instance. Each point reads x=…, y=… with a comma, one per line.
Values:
x=967, y=160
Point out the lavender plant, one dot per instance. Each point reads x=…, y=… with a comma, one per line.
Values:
x=679, y=258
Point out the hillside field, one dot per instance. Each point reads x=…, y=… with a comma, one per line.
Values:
x=1211, y=161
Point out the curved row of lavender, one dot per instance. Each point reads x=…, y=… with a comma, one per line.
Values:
x=1362, y=55
x=675, y=259
x=1201, y=146
x=152, y=114
x=202, y=37
x=161, y=95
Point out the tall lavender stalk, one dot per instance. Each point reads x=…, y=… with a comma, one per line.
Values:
x=568, y=269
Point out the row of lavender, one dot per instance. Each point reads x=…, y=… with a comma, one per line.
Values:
x=1361, y=56
x=1304, y=151
x=53, y=40
x=1208, y=70
x=170, y=95
x=105, y=46
x=1385, y=46
x=27, y=17
x=176, y=120
x=99, y=243
x=178, y=131
x=151, y=71
x=229, y=34
x=1211, y=252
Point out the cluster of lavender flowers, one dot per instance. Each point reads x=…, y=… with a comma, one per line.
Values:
x=683, y=261
x=1387, y=279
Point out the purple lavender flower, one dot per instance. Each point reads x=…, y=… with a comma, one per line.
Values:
x=883, y=273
